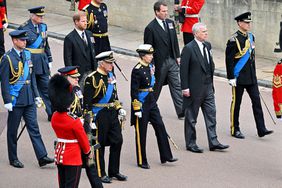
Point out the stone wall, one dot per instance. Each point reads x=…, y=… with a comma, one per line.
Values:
x=217, y=14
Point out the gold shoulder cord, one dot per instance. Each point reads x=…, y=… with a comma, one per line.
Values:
x=16, y=75
x=98, y=87
x=90, y=20
x=244, y=51
x=74, y=103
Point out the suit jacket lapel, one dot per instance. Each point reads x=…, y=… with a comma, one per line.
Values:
x=161, y=31
x=89, y=43
x=31, y=26
x=80, y=42
x=199, y=55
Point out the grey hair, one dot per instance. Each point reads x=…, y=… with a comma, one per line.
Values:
x=197, y=26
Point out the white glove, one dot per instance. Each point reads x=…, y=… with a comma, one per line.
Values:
x=122, y=112
x=50, y=65
x=232, y=82
x=9, y=106
x=39, y=102
x=5, y=25
x=138, y=114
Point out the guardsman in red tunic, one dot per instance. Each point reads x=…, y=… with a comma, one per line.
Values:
x=71, y=137
x=3, y=26
x=190, y=9
x=277, y=89
x=83, y=3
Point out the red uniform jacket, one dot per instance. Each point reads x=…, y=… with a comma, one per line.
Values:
x=69, y=128
x=277, y=90
x=192, y=7
x=83, y=3
x=2, y=13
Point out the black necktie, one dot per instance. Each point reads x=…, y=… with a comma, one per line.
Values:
x=83, y=38
x=164, y=24
x=205, y=53
x=21, y=55
x=36, y=28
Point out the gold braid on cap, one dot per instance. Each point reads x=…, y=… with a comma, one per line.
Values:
x=136, y=105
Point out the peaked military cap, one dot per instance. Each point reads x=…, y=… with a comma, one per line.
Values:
x=39, y=11
x=145, y=48
x=19, y=34
x=69, y=71
x=245, y=17
x=107, y=56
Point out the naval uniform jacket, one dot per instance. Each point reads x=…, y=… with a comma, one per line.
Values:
x=247, y=75
x=69, y=127
x=40, y=60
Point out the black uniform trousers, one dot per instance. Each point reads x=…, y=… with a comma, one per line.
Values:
x=42, y=81
x=187, y=37
x=29, y=115
x=109, y=134
x=91, y=172
x=170, y=73
x=2, y=41
x=206, y=102
x=237, y=93
x=102, y=44
x=69, y=176
x=151, y=114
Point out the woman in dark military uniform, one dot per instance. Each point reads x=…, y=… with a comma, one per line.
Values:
x=72, y=75
x=145, y=109
x=97, y=16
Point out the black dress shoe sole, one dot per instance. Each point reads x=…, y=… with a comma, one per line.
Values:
x=17, y=164
x=195, y=150
x=266, y=133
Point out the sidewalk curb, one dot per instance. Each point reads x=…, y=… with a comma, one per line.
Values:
x=219, y=73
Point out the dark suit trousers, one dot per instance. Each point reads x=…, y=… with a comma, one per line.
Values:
x=206, y=102
x=170, y=72
x=68, y=176
x=151, y=113
x=237, y=93
x=29, y=115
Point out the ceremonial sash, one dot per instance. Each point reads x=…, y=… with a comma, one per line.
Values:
x=16, y=87
x=143, y=94
x=106, y=98
x=244, y=59
x=39, y=39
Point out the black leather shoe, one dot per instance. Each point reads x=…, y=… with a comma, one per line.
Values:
x=145, y=166
x=195, y=149
x=219, y=147
x=119, y=177
x=16, y=164
x=267, y=132
x=106, y=179
x=181, y=116
x=238, y=134
x=170, y=160
x=45, y=160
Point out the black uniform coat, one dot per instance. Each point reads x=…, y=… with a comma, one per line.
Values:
x=193, y=70
x=75, y=53
x=158, y=38
x=247, y=75
x=40, y=61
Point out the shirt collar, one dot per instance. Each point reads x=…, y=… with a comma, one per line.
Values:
x=78, y=31
x=18, y=52
x=160, y=21
x=200, y=44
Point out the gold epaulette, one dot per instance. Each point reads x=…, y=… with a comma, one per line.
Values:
x=233, y=37
x=136, y=105
x=117, y=105
x=138, y=66
x=85, y=7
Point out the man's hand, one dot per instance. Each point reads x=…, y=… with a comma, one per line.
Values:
x=138, y=114
x=232, y=82
x=39, y=102
x=50, y=64
x=5, y=26
x=186, y=92
x=9, y=107
x=122, y=114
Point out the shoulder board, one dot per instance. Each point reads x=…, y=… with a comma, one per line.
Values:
x=85, y=7
x=73, y=116
x=24, y=24
x=91, y=74
x=138, y=66
x=232, y=39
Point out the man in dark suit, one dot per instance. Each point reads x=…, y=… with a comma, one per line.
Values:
x=79, y=48
x=37, y=44
x=161, y=34
x=20, y=96
x=196, y=73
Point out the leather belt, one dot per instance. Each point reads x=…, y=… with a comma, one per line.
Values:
x=100, y=34
x=150, y=89
x=67, y=140
x=36, y=51
x=105, y=105
x=192, y=15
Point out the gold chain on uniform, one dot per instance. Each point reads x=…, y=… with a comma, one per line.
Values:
x=16, y=75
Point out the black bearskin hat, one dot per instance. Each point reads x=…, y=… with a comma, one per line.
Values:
x=60, y=93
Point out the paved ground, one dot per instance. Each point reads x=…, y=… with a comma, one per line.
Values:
x=125, y=41
x=249, y=163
